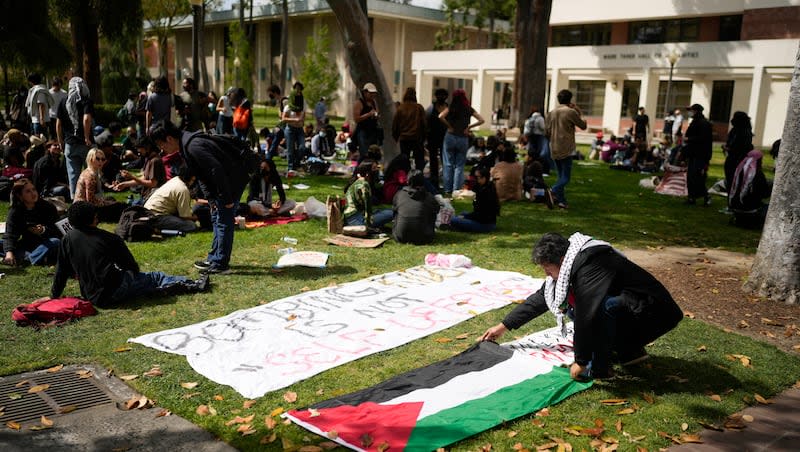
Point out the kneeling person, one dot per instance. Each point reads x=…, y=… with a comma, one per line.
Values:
x=107, y=272
x=616, y=305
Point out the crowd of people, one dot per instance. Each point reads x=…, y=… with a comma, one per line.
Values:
x=170, y=153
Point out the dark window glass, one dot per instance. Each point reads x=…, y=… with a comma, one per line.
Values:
x=630, y=97
x=589, y=95
x=680, y=95
x=721, y=100
x=730, y=28
x=581, y=35
x=657, y=31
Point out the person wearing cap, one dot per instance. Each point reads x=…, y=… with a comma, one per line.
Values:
x=597, y=143
x=365, y=114
x=696, y=151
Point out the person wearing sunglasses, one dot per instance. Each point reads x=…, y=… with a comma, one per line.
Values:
x=90, y=188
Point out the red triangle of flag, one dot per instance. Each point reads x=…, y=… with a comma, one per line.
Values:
x=394, y=422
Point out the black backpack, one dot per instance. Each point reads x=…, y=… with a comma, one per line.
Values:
x=134, y=224
x=240, y=150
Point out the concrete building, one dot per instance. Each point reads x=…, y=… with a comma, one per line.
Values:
x=729, y=55
x=398, y=31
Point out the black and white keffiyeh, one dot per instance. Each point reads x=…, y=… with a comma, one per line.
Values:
x=555, y=292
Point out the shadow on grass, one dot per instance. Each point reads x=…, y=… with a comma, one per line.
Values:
x=307, y=272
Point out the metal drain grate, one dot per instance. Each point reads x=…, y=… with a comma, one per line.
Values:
x=67, y=392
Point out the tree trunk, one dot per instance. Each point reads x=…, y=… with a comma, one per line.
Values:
x=776, y=268
x=530, y=71
x=201, y=45
x=163, y=42
x=363, y=64
x=77, y=45
x=284, y=47
x=92, y=77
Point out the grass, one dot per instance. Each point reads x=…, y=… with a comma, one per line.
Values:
x=607, y=204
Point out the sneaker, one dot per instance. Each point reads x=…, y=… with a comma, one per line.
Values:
x=563, y=205
x=216, y=269
x=203, y=282
x=633, y=357
x=202, y=265
x=549, y=200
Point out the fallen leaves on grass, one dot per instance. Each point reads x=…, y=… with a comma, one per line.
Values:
x=443, y=340
x=247, y=404
x=760, y=399
x=138, y=402
x=744, y=359
x=310, y=448
x=612, y=402
x=55, y=369
x=715, y=397
x=462, y=336
x=743, y=324
x=766, y=321
x=122, y=349
x=218, y=398
x=276, y=412
x=625, y=411
x=270, y=423
x=154, y=372
x=128, y=377
x=241, y=420
x=269, y=439
x=702, y=348
x=543, y=412
x=206, y=410
x=290, y=397
x=189, y=384
x=189, y=395
x=649, y=397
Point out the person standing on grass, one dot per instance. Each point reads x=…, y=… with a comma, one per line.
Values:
x=107, y=272
x=696, y=152
x=435, y=133
x=408, y=128
x=457, y=118
x=559, y=127
x=616, y=306
x=222, y=181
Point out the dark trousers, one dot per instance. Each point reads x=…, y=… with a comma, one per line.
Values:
x=696, y=179
x=413, y=150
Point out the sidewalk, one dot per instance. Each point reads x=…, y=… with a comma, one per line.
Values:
x=775, y=427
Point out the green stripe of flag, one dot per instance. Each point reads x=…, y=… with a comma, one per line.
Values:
x=475, y=416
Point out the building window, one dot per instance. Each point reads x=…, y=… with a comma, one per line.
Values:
x=581, y=35
x=680, y=95
x=589, y=95
x=730, y=28
x=630, y=97
x=657, y=31
x=721, y=100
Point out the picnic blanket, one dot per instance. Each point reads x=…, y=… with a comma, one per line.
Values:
x=674, y=181
x=450, y=400
x=271, y=346
x=275, y=220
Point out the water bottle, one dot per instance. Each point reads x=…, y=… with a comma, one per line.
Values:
x=172, y=233
x=285, y=251
x=290, y=240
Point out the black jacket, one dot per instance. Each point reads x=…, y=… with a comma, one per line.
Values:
x=17, y=236
x=597, y=272
x=485, y=206
x=698, y=139
x=48, y=173
x=415, y=213
x=220, y=174
x=98, y=258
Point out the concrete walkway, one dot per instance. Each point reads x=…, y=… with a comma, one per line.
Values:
x=775, y=427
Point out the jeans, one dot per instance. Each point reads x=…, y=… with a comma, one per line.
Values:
x=605, y=331
x=379, y=218
x=295, y=141
x=39, y=129
x=222, y=223
x=75, y=157
x=174, y=222
x=364, y=139
x=225, y=125
x=58, y=190
x=454, y=156
x=564, y=168
x=137, y=284
x=277, y=137
x=459, y=223
x=48, y=249
x=544, y=155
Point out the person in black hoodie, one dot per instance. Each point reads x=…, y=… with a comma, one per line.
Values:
x=31, y=234
x=415, y=211
x=617, y=307
x=485, y=207
x=221, y=178
x=107, y=272
x=697, y=153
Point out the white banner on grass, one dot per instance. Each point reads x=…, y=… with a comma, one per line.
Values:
x=271, y=346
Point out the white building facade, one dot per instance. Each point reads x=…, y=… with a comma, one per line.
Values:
x=728, y=55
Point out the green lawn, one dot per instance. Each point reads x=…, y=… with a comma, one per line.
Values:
x=679, y=380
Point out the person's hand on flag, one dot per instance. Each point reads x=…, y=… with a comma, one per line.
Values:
x=494, y=332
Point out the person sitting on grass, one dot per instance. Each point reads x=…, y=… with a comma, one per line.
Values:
x=153, y=175
x=31, y=234
x=534, y=185
x=749, y=188
x=395, y=177
x=358, y=195
x=259, y=198
x=485, y=207
x=171, y=203
x=507, y=176
x=616, y=306
x=108, y=275
x=90, y=188
x=415, y=210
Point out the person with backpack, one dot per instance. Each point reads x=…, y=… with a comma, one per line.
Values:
x=222, y=174
x=108, y=274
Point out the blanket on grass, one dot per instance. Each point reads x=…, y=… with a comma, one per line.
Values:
x=271, y=346
x=274, y=220
x=450, y=400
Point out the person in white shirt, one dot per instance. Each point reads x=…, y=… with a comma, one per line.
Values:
x=58, y=95
x=677, y=125
x=38, y=104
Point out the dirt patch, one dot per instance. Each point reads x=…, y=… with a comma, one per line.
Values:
x=707, y=284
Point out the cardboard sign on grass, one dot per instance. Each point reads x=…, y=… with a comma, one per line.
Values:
x=271, y=346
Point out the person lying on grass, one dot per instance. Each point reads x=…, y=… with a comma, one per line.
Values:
x=617, y=307
x=108, y=274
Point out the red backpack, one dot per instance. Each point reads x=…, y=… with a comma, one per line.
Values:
x=46, y=311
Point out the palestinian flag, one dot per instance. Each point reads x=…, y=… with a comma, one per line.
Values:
x=442, y=403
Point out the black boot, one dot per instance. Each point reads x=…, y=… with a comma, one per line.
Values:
x=184, y=287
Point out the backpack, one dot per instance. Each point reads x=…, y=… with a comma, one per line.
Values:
x=316, y=166
x=241, y=118
x=240, y=150
x=52, y=311
x=134, y=224
x=123, y=115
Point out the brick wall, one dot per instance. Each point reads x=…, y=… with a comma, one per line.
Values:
x=771, y=23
